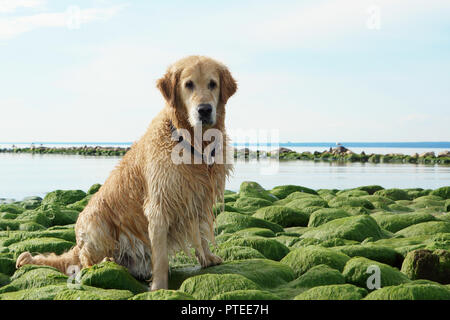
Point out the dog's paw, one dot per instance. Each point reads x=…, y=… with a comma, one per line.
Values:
x=23, y=259
x=108, y=259
x=211, y=260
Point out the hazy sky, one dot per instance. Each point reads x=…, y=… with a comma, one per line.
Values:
x=335, y=70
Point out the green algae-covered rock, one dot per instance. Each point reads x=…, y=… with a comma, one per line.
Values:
x=265, y=273
x=41, y=245
x=11, y=208
x=371, y=189
x=287, y=240
x=282, y=192
x=325, y=215
x=91, y=293
x=352, y=193
x=8, y=216
x=355, y=228
x=250, y=204
x=17, y=236
x=109, y=275
x=425, y=228
x=7, y=265
x=163, y=294
x=206, y=286
x=319, y=275
x=396, y=222
x=30, y=203
x=63, y=197
x=230, y=197
x=262, y=232
x=394, y=194
x=229, y=222
x=374, y=252
x=8, y=224
x=283, y=216
x=238, y=253
x=303, y=203
x=340, y=202
x=80, y=205
x=42, y=293
x=34, y=278
x=333, y=292
x=246, y=295
x=59, y=215
x=358, y=270
x=411, y=291
x=254, y=190
x=34, y=216
x=268, y=247
x=31, y=226
x=426, y=264
x=4, y=279
x=94, y=189
x=302, y=259
x=405, y=245
x=443, y=192
x=395, y=207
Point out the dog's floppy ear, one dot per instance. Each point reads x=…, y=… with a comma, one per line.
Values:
x=168, y=86
x=228, y=85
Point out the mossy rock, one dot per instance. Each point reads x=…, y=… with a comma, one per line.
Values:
x=109, y=275
x=34, y=278
x=34, y=216
x=17, y=236
x=371, y=189
x=59, y=215
x=11, y=208
x=319, y=275
x=405, y=245
x=283, y=216
x=288, y=241
x=251, y=204
x=303, y=259
x=268, y=247
x=379, y=199
x=80, y=205
x=8, y=216
x=265, y=273
x=333, y=292
x=229, y=222
x=357, y=272
x=43, y=293
x=282, y=192
x=41, y=245
x=397, y=222
x=425, y=228
x=230, y=197
x=7, y=266
x=163, y=294
x=91, y=293
x=426, y=264
x=261, y=232
x=4, y=280
x=394, y=194
x=232, y=253
x=31, y=226
x=94, y=189
x=395, y=207
x=447, y=205
x=303, y=203
x=383, y=254
x=206, y=286
x=355, y=228
x=7, y=224
x=443, y=192
x=340, y=202
x=31, y=203
x=352, y=193
x=411, y=291
x=218, y=208
x=325, y=215
x=63, y=197
x=254, y=190
x=246, y=295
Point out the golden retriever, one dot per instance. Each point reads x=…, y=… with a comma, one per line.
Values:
x=150, y=206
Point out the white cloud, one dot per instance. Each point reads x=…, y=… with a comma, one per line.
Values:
x=73, y=17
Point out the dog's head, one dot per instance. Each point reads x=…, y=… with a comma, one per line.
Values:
x=198, y=88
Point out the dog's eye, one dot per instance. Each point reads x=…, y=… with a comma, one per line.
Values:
x=189, y=84
x=212, y=84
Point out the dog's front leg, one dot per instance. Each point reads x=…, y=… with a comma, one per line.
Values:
x=160, y=258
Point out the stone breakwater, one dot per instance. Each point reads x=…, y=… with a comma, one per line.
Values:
x=340, y=154
x=290, y=242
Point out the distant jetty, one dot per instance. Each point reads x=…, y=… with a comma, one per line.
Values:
x=338, y=154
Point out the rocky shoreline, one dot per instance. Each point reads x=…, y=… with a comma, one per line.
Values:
x=290, y=242
x=338, y=154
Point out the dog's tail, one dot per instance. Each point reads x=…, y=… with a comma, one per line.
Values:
x=66, y=263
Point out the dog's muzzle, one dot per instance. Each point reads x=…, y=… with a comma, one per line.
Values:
x=205, y=113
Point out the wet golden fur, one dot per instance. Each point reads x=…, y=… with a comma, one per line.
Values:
x=150, y=206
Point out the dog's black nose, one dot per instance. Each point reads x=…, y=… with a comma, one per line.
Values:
x=205, y=110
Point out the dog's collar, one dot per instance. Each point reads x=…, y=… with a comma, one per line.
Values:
x=188, y=146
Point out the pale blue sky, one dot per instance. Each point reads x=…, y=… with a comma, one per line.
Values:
x=314, y=70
